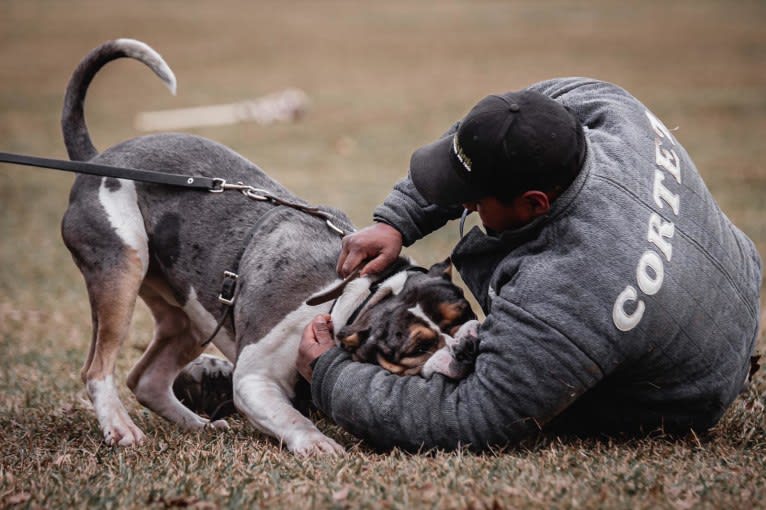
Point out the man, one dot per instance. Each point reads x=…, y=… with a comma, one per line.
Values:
x=618, y=297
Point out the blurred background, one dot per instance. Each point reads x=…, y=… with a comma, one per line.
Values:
x=382, y=78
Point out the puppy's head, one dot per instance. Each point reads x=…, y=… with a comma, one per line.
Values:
x=406, y=319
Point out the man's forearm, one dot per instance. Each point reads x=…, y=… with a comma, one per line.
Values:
x=526, y=373
x=377, y=406
x=409, y=213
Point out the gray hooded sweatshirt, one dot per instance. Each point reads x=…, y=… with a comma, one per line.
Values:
x=632, y=305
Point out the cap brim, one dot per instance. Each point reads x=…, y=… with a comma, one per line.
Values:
x=436, y=175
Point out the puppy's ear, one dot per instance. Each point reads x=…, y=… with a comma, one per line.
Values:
x=442, y=269
x=351, y=338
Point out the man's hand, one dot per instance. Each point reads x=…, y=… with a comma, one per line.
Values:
x=379, y=244
x=317, y=339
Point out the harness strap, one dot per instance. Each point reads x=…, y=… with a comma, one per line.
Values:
x=230, y=283
x=264, y=195
x=218, y=327
x=134, y=174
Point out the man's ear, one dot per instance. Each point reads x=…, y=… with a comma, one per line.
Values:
x=442, y=269
x=537, y=202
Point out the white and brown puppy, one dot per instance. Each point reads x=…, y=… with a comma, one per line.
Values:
x=170, y=247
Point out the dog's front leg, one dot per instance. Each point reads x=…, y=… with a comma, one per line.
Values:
x=263, y=383
x=268, y=407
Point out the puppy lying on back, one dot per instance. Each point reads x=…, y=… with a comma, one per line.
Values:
x=405, y=320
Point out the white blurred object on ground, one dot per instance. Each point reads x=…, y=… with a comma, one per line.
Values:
x=284, y=106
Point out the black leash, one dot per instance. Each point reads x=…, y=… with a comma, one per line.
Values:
x=133, y=174
x=212, y=184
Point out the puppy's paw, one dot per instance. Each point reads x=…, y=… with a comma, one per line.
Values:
x=315, y=443
x=439, y=363
x=466, y=346
x=469, y=329
x=456, y=359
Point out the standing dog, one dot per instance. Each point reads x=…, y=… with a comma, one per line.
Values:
x=170, y=247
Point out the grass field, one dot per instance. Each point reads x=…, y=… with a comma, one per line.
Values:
x=383, y=78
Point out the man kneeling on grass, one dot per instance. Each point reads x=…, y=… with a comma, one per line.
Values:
x=618, y=296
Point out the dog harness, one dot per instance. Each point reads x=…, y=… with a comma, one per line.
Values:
x=229, y=284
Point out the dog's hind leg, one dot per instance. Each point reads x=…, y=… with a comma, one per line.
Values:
x=113, y=297
x=104, y=231
x=174, y=345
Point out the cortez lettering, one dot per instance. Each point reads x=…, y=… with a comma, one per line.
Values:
x=629, y=308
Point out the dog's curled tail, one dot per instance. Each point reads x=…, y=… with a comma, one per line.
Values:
x=76, y=137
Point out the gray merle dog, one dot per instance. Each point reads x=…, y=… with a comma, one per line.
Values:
x=170, y=247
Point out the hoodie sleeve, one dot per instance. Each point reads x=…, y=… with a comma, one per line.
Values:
x=406, y=210
x=526, y=374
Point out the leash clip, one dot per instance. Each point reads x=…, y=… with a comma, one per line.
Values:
x=228, y=288
x=218, y=185
x=257, y=194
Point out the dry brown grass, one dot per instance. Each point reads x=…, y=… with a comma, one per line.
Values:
x=384, y=78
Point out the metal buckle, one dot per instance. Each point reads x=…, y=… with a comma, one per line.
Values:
x=256, y=193
x=218, y=185
x=229, y=288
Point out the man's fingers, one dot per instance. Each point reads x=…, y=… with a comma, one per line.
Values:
x=322, y=326
x=382, y=260
x=379, y=242
x=342, y=259
x=316, y=340
x=351, y=262
x=376, y=265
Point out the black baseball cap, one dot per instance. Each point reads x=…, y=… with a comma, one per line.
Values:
x=506, y=142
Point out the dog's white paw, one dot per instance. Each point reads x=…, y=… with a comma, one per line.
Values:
x=468, y=330
x=122, y=432
x=115, y=423
x=315, y=443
